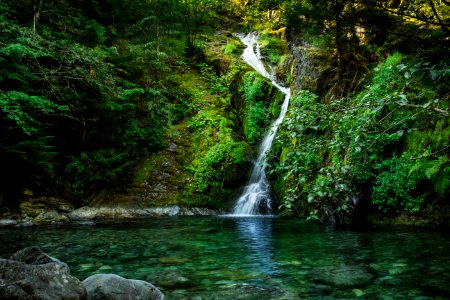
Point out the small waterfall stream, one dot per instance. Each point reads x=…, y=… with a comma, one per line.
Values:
x=255, y=198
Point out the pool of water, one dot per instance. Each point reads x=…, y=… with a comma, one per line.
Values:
x=251, y=258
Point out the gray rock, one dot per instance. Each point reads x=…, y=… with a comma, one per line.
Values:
x=25, y=224
x=172, y=210
x=7, y=222
x=197, y=211
x=114, y=287
x=342, y=276
x=83, y=213
x=166, y=164
x=91, y=213
x=51, y=217
x=39, y=276
x=171, y=279
x=10, y=290
x=33, y=256
x=172, y=147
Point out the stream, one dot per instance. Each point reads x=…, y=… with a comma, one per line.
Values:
x=251, y=257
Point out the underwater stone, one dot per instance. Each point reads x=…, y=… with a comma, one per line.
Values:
x=342, y=276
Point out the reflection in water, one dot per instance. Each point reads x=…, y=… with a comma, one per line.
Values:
x=256, y=234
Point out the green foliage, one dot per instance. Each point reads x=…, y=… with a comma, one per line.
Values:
x=253, y=87
x=387, y=144
x=78, y=107
x=217, y=83
x=210, y=170
x=435, y=170
x=272, y=47
x=20, y=108
x=218, y=156
x=257, y=119
x=394, y=187
x=202, y=120
x=95, y=170
x=230, y=48
x=94, y=33
x=255, y=92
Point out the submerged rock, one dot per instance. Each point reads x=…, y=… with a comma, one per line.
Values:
x=246, y=291
x=32, y=274
x=342, y=276
x=112, y=287
x=171, y=279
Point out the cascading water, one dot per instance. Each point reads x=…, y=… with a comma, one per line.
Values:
x=255, y=198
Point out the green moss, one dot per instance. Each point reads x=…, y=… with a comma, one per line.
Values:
x=273, y=48
x=143, y=170
x=231, y=47
x=261, y=103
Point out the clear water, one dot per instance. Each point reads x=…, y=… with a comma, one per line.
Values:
x=251, y=258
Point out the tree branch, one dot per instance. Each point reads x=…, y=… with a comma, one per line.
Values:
x=443, y=26
x=407, y=15
x=431, y=154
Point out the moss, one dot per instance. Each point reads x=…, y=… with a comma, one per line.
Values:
x=273, y=48
x=261, y=104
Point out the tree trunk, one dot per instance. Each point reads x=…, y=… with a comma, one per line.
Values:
x=36, y=13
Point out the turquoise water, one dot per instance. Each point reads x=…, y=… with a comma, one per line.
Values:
x=251, y=258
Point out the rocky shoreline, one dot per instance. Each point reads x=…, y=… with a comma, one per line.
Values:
x=60, y=212
x=32, y=274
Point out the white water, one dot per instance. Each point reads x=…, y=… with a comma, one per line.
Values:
x=255, y=198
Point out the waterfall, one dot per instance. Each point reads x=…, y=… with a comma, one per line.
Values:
x=255, y=198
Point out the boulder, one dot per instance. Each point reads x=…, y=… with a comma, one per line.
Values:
x=51, y=217
x=32, y=274
x=114, y=287
x=33, y=256
x=34, y=207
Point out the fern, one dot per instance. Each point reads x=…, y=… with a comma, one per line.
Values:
x=442, y=184
x=435, y=170
x=20, y=108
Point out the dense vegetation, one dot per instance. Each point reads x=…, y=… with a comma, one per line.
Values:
x=369, y=131
x=89, y=89
x=85, y=89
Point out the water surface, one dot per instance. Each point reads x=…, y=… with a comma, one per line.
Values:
x=251, y=258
